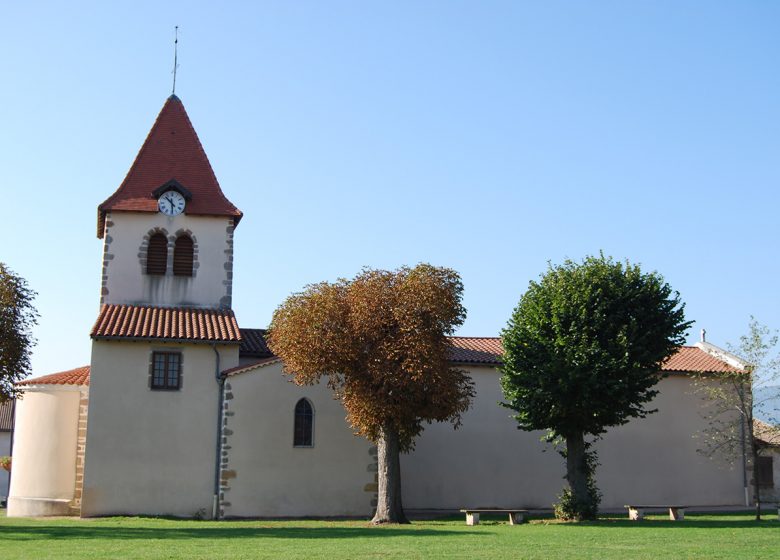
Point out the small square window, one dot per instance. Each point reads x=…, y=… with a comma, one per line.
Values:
x=166, y=370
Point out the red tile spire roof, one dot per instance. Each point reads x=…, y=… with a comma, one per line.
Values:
x=172, y=151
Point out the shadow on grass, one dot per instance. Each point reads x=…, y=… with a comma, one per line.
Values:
x=87, y=532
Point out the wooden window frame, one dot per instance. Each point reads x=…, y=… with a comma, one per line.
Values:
x=166, y=385
x=302, y=416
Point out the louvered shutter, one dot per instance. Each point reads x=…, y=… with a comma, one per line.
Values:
x=157, y=254
x=182, y=256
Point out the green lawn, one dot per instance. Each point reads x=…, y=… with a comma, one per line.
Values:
x=699, y=536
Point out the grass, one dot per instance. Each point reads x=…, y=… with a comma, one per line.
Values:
x=699, y=536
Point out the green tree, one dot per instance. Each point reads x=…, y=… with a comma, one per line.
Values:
x=736, y=397
x=17, y=318
x=381, y=341
x=582, y=352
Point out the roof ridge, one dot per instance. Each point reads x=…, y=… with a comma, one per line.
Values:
x=170, y=307
x=202, y=150
x=480, y=337
x=251, y=365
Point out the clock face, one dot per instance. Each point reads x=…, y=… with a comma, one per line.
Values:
x=171, y=203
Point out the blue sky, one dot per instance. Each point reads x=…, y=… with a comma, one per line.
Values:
x=490, y=137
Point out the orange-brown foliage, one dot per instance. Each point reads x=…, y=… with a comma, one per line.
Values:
x=381, y=340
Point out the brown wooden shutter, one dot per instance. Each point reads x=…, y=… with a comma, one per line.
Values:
x=764, y=468
x=182, y=256
x=157, y=254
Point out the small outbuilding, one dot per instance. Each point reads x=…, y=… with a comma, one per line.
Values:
x=767, y=468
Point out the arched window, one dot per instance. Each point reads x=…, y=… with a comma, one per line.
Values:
x=157, y=254
x=182, y=256
x=304, y=424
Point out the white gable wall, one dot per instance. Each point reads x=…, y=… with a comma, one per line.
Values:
x=274, y=479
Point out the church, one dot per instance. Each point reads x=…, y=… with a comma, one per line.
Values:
x=183, y=412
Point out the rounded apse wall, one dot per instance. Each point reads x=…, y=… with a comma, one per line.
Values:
x=43, y=474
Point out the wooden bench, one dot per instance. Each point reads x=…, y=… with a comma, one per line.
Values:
x=769, y=506
x=515, y=515
x=637, y=513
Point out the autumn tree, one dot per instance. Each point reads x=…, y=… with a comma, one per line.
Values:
x=380, y=339
x=17, y=318
x=582, y=352
x=738, y=396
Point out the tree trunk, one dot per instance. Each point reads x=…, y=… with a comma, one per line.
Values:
x=388, y=507
x=756, y=486
x=576, y=471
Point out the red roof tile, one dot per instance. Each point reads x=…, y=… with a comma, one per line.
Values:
x=488, y=351
x=78, y=376
x=691, y=358
x=166, y=323
x=766, y=433
x=172, y=150
x=476, y=350
x=479, y=350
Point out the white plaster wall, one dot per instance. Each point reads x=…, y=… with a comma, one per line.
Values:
x=275, y=479
x=5, y=449
x=126, y=281
x=656, y=458
x=486, y=462
x=44, y=454
x=163, y=462
x=151, y=452
x=489, y=462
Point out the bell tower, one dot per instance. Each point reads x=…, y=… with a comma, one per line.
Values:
x=165, y=332
x=168, y=229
